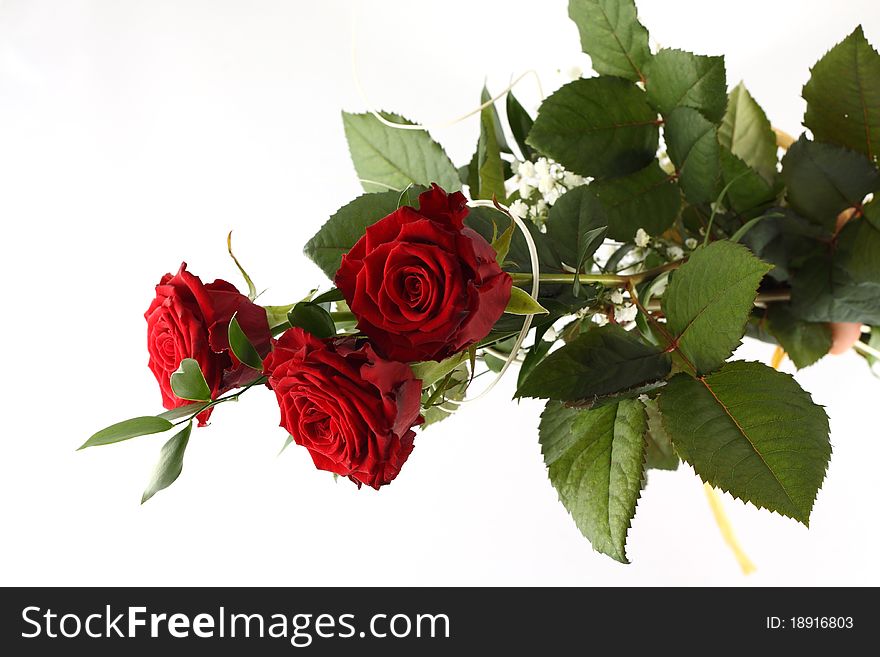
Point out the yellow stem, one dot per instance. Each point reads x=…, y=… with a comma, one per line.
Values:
x=727, y=531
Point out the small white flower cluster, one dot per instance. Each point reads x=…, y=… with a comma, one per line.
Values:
x=548, y=178
x=623, y=312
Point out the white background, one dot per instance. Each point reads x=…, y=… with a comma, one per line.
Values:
x=134, y=135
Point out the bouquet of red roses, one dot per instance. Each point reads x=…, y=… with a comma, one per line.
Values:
x=616, y=270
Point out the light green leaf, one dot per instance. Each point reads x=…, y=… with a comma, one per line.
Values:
x=596, y=463
x=430, y=372
x=170, y=463
x=138, y=426
x=242, y=348
x=601, y=127
x=189, y=383
x=804, y=342
x=676, y=78
x=520, y=124
x=184, y=411
x=753, y=432
x=692, y=145
x=824, y=179
x=612, y=36
x=497, y=129
x=843, y=96
x=708, y=302
x=746, y=132
x=490, y=167
x=390, y=158
x=311, y=317
x=649, y=199
x=277, y=317
x=502, y=243
x=659, y=452
x=287, y=442
x=521, y=303
x=600, y=362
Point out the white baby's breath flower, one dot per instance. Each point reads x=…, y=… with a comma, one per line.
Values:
x=642, y=238
x=675, y=253
x=691, y=243
x=616, y=297
x=526, y=169
x=625, y=314
x=599, y=319
x=542, y=168
x=572, y=179
x=553, y=195
x=519, y=209
x=524, y=189
x=514, y=167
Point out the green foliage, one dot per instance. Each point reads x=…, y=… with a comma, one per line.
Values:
x=575, y=215
x=241, y=346
x=692, y=145
x=602, y=361
x=390, y=158
x=520, y=124
x=596, y=463
x=804, y=342
x=170, y=463
x=659, y=451
x=486, y=170
x=746, y=188
x=612, y=36
x=746, y=132
x=708, y=302
x=601, y=127
x=138, y=426
x=311, y=317
x=676, y=78
x=843, y=96
x=521, y=303
x=753, y=432
x=189, y=383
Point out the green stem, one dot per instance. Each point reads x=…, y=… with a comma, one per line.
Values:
x=231, y=397
x=343, y=316
x=605, y=279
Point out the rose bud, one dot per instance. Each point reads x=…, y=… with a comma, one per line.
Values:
x=421, y=284
x=352, y=410
x=189, y=319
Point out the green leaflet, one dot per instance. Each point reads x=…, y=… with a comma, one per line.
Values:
x=612, y=36
x=600, y=362
x=676, y=78
x=521, y=303
x=390, y=158
x=170, y=463
x=601, y=127
x=824, y=179
x=804, y=342
x=520, y=124
x=708, y=302
x=648, y=199
x=746, y=188
x=596, y=461
x=692, y=145
x=843, y=96
x=746, y=132
x=753, y=432
x=659, y=451
x=311, y=317
x=138, y=426
x=189, y=383
x=241, y=346
x=572, y=218
x=489, y=166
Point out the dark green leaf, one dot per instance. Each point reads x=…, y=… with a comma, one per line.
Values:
x=138, y=426
x=311, y=317
x=746, y=132
x=242, y=348
x=708, y=302
x=746, y=188
x=612, y=36
x=843, y=96
x=189, y=383
x=391, y=158
x=170, y=463
x=490, y=168
x=596, y=462
x=676, y=78
x=346, y=227
x=534, y=355
x=648, y=199
x=572, y=223
x=329, y=296
x=601, y=127
x=804, y=342
x=692, y=145
x=824, y=179
x=500, y=139
x=520, y=124
x=753, y=432
x=600, y=362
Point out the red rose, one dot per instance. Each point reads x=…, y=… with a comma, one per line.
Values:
x=352, y=410
x=188, y=319
x=422, y=286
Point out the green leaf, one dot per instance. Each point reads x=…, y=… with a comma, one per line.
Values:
x=824, y=179
x=189, y=383
x=277, y=317
x=346, y=227
x=138, y=426
x=708, y=302
x=676, y=78
x=287, y=442
x=184, y=411
x=392, y=158
x=843, y=96
x=311, y=317
x=746, y=132
x=612, y=36
x=170, y=463
x=521, y=303
x=430, y=372
x=596, y=461
x=753, y=432
x=575, y=213
x=659, y=451
x=442, y=401
x=588, y=244
x=490, y=167
x=241, y=346
x=746, y=188
x=501, y=244
x=520, y=124
x=692, y=145
x=649, y=199
x=602, y=361
x=601, y=127
x=329, y=296
x=804, y=342
x=497, y=129
x=252, y=289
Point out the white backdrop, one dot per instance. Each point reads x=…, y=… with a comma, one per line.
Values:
x=134, y=135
